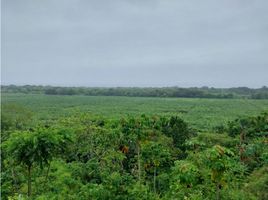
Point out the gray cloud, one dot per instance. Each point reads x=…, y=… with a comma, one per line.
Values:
x=135, y=42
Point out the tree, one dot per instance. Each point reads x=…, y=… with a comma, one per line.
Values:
x=218, y=161
x=155, y=155
x=37, y=147
x=177, y=129
x=253, y=129
x=185, y=181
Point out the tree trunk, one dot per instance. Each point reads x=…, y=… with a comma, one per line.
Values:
x=154, y=179
x=47, y=172
x=218, y=191
x=242, y=137
x=29, y=181
x=139, y=164
x=16, y=188
x=241, y=148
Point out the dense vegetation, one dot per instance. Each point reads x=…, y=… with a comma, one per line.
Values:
x=194, y=92
x=146, y=157
x=82, y=155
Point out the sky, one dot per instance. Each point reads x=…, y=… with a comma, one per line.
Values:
x=141, y=43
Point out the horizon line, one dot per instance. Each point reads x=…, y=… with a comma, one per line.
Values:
x=174, y=86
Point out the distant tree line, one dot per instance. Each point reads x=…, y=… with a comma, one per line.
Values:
x=193, y=92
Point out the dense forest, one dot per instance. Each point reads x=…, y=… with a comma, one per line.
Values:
x=194, y=92
x=145, y=157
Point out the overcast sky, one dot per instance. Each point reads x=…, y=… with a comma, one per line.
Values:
x=219, y=43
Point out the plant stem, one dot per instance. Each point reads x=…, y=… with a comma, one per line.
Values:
x=139, y=164
x=217, y=191
x=155, y=179
x=29, y=181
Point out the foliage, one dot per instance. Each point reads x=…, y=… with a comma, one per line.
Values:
x=84, y=156
x=193, y=92
x=36, y=147
x=257, y=183
x=178, y=130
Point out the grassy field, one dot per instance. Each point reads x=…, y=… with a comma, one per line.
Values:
x=203, y=114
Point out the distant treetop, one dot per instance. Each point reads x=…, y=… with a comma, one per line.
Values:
x=193, y=92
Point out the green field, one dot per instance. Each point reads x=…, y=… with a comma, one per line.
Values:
x=202, y=114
